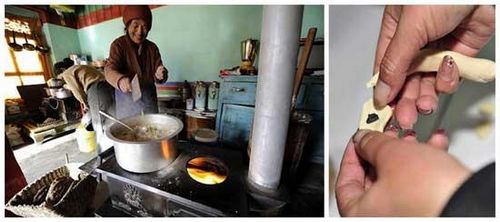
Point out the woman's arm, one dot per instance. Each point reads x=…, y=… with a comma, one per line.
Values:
x=115, y=59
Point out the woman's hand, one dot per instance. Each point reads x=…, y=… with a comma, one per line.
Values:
x=407, y=29
x=381, y=175
x=161, y=73
x=124, y=85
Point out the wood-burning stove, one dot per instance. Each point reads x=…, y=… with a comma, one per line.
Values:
x=172, y=192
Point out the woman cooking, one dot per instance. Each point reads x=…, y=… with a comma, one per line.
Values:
x=132, y=55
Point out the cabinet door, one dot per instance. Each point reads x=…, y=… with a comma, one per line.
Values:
x=236, y=125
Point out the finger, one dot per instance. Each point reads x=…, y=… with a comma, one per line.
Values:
x=410, y=136
x=127, y=86
x=388, y=27
x=428, y=99
x=467, y=40
x=448, y=77
x=439, y=140
x=350, y=181
x=392, y=131
x=406, y=109
x=159, y=75
x=409, y=37
x=372, y=146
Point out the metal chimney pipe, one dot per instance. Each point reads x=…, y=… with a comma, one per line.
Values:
x=281, y=26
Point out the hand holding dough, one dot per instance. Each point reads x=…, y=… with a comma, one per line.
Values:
x=428, y=60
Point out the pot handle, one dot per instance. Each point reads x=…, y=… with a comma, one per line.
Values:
x=101, y=157
x=105, y=155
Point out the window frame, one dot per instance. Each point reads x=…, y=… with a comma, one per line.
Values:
x=43, y=57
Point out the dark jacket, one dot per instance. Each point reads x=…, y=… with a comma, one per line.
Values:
x=476, y=197
x=125, y=61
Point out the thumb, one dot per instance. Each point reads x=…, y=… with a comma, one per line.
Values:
x=350, y=181
x=376, y=147
x=408, y=38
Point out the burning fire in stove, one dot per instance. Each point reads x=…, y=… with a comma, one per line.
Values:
x=207, y=170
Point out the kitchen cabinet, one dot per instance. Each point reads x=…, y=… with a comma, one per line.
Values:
x=237, y=104
x=236, y=124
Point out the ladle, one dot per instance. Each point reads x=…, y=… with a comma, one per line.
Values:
x=40, y=47
x=16, y=47
x=116, y=120
x=138, y=131
x=28, y=46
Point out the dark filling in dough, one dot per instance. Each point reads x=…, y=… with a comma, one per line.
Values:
x=372, y=117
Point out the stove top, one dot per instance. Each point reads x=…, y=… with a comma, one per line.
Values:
x=172, y=192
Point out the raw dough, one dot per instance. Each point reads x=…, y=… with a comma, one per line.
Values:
x=487, y=109
x=429, y=60
x=484, y=128
x=373, y=81
x=384, y=115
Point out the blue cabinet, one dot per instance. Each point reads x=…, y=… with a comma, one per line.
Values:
x=236, y=110
x=236, y=124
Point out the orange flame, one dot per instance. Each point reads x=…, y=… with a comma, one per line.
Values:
x=207, y=170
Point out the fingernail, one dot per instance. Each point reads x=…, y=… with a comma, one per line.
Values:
x=446, y=69
x=393, y=128
x=358, y=136
x=409, y=133
x=381, y=93
x=440, y=131
x=425, y=112
x=406, y=127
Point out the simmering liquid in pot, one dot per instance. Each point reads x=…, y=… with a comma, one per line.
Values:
x=142, y=133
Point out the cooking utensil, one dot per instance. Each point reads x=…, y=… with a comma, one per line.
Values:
x=200, y=100
x=213, y=96
x=136, y=88
x=63, y=93
x=116, y=120
x=73, y=57
x=249, y=50
x=13, y=45
x=248, y=53
x=146, y=156
x=28, y=46
x=40, y=47
x=51, y=91
x=55, y=83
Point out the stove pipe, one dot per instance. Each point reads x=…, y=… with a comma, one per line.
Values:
x=281, y=26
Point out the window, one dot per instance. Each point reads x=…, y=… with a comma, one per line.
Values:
x=22, y=67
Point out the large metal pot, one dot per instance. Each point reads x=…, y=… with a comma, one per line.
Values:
x=63, y=93
x=51, y=91
x=55, y=83
x=147, y=156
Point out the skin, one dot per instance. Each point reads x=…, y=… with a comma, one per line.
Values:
x=383, y=175
x=137, y=31
x=407, y=29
